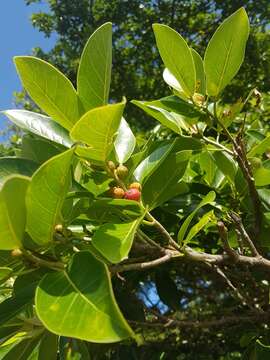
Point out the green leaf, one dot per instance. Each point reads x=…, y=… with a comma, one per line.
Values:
x=37, y=149
x=172, y=81
x=13, y=212
x=261, y=148
x=225, y=52
x=23, y=294
x=151, y=162
x=148, y=165
x=94, y=74
x=80, y=303
x=97, y=129
x=50, y=89
x=172, y=112
x=21, y=350
x=45, y=196
x=5, y=272
x=212, y=175
x=262, y=177
x=114, y=241
x=11, y=166
x=124, y=143
x=48, y=347
x=107, y=210
x=200, y=74
x=204, y=220
x=40, y=125
x=176, y=56
x=165, y=182
x=226, y=164
x=210, y=197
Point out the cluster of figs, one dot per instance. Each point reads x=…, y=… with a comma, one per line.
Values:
x=133, y=192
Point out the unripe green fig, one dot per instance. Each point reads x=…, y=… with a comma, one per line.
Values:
x=122, y=171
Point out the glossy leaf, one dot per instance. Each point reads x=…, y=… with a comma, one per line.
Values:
x=155, y=158
x=13, y=212
x=40, y=125
x=37, y=149
x=114, y=241
x=22, y=349
x=225, y=52
x=212, y=175
x=47, y=348
x=176, y=56
x=5, y=272
x=80, y=303
x=200, y=74
x=226, y=164
x=151, y=162
x=49, y=89
x=94, y=74
x=260, y=148
x=23, y=294
x=172, y=81
x=97, y=129
x=107, y=210
x=45, y=196
x=204, y=220
x=124, y=143
x=12, y=166
x=172, y=112
x=210, y=197
x=165, y=182
x=262, y=176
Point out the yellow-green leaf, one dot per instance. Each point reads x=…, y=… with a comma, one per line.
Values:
x=13, y=212
x=49, y=89
x=79, y=302
x=225, y=52
x=45, y=196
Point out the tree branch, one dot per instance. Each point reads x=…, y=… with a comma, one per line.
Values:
x=240, y=227
x=145, y=265
x=224, y=321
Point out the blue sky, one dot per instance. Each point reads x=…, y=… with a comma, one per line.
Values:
x=18, y=37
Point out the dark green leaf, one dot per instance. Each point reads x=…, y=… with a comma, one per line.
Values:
x=210, y=197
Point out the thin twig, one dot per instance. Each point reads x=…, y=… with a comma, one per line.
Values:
x=55, y=265
x=163, y=231
x=145, y=265
x=224, y=237
x=240, y=227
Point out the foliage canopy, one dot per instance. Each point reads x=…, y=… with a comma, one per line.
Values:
x=112, y=239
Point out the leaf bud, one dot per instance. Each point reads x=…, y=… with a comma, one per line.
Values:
x=59, y=228
x=198, y=98
x=16, y=252
x=111, y=165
